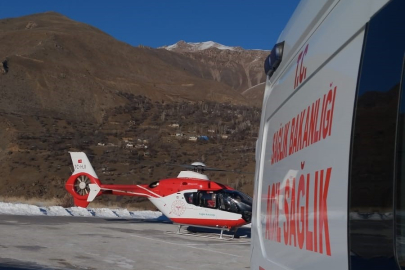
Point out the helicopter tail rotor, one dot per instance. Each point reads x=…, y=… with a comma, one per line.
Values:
x=83, y=184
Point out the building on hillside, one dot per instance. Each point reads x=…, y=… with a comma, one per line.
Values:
x=127, y=139
x=203, y=138
x=112, y=145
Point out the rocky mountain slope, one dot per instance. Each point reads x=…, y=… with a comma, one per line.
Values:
x=87, y=67
x=240, y=69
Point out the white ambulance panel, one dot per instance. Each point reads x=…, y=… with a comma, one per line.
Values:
x=300, y=211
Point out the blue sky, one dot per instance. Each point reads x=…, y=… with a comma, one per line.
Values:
x=250, y=24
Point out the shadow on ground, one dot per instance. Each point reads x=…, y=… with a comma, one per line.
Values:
x=241, y=232
x=8, y=264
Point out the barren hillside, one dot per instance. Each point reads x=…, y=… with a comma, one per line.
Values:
x=67, y=86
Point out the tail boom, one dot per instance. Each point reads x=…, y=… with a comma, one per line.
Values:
x=85, y=186
x=129, y=190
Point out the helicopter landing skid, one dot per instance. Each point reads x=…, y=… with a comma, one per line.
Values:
x=220, y=236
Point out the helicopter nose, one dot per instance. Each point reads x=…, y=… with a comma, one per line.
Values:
x=247, y=216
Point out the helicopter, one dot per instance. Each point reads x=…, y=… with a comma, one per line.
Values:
x=188, y=199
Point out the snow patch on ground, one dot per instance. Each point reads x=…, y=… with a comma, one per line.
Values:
x=33, y=210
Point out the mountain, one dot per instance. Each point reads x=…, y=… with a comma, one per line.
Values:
x=183, y=46
x=87, y=67
x=238, y=68
x=68, y=86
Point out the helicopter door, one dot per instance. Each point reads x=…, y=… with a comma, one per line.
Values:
x=221, y=202
x=207, y=199
x=212, y=201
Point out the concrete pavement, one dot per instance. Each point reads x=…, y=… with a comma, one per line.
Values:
x=43, y=242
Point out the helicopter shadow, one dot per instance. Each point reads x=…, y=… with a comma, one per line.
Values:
x=242, y=232
x=161, y=219
x=11, y=264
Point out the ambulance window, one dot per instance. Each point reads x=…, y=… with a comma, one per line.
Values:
x=400, y=177
x=399, y=185
x=374, y=240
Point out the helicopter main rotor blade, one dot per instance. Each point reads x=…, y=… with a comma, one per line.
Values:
x=236, y=171
x=181, y=165
x=232, y=171
x=213, y=169
x=203, y=168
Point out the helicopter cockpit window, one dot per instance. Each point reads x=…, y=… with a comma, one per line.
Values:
x=212, y=200
x=234, y=201
x=190, y=197
x=226, y=200
x=239, y=196
x=228, y=203
x=207, y=199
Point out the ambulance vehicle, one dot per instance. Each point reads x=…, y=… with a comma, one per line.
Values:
x=330, y=158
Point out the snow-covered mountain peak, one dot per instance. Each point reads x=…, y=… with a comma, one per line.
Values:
x=198, y=46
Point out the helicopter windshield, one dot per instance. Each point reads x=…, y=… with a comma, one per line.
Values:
x=226, y=200
x=238, y=196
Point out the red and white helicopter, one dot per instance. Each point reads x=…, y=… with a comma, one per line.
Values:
x=189, y=199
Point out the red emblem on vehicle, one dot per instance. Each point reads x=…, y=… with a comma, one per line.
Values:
x=178, y=207
x=79, y=161
x=301, y=70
